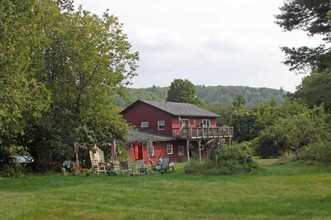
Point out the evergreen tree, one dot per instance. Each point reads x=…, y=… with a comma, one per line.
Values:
x=310, y=16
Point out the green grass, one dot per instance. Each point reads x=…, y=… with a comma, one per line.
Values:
x=280, y=191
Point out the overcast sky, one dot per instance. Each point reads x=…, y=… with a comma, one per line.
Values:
x=208, y=42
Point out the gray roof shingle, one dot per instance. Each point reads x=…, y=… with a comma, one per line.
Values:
x=181, y=109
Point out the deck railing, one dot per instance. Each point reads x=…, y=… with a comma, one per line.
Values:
x=203, y=132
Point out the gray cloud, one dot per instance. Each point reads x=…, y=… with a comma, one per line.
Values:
x=214, y=42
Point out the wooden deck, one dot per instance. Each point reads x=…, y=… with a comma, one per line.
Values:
x=203, y=132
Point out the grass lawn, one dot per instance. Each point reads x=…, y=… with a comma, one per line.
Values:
x=287, y=191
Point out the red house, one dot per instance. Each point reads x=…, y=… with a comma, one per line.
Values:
x=170, y=128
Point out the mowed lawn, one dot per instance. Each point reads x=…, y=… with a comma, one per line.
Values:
x=288, y=191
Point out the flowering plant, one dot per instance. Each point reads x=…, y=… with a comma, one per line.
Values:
x=85, y=170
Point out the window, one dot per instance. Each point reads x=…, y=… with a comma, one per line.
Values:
x=185, y=121
x=161, y=125
x=170, y=149
x=144, y=124
x=180, y=150
x=206, y=123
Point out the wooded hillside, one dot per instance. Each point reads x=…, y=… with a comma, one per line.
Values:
x=209, y=94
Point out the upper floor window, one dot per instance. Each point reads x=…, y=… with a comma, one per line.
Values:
x=206, y=122
x=170, y=149
x=184, y=122
x=144, y=124
x=161, y=125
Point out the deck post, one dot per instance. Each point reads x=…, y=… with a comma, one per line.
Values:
x=199, y=144
x=188, y=149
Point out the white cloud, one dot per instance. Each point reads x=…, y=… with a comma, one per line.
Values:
x=210, y=42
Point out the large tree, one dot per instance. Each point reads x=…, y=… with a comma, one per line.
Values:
x=88, y=63
x=311, y=17
x=293, y=132
x=315, y=90
x=183, y=91
x=239, y=101
x=22, y=42
x=66, y=68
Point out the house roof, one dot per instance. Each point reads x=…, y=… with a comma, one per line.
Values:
x=146, y=135
x=178, y=109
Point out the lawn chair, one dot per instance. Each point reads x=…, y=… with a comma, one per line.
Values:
x=102, y=168
x=124, y=167
x=98, y=161
x=165, y=161
x=141, y=167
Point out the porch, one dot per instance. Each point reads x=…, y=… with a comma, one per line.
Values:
x=203, y=132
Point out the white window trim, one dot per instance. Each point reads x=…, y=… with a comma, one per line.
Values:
x=158, y=125
x=144, y=124
x=171, y=148
x=206, y=121
x=186, y=121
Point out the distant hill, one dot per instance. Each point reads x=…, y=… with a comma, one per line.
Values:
x=209, y=94
x=225, y=94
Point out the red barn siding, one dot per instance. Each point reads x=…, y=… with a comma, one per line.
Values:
x=160, y=150
x=142, y=112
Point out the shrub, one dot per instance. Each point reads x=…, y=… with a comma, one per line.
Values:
x=291, y=134
x=318, y=151
x=13, y=170
x=231, y=160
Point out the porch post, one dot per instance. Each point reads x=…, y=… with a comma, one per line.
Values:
x=199, y=144
x=113, y=150
x=188, y=149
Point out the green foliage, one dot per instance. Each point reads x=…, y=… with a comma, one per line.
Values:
x=225, y=95
x=244, y=124
x=183, y=91
x=231, y=160
x=239, y=101
x=317, y=151
x=223, y=111
x=60, y=73
x=288, y=191
x=310, y=16
x=211, y=95
x=21, y=40
x=292, y=132
x=13, y=170
x=248, y=123
x=315, y=90
x=275, y=129
x=269, y=113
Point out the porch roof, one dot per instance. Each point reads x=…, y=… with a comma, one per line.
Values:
x=147, y=135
